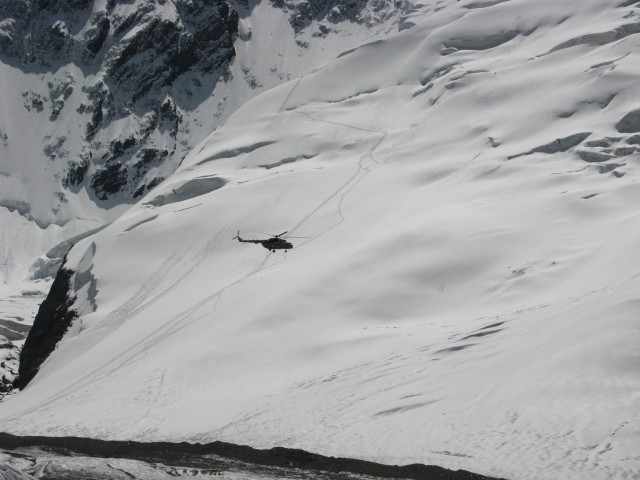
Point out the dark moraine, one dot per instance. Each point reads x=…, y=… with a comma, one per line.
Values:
x=222, y=456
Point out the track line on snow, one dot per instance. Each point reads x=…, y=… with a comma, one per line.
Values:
x=361, y=171
x=604, y=447
x=286, y=99
x=139, y=299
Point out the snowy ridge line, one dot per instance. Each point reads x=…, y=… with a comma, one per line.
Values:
x=275, y=457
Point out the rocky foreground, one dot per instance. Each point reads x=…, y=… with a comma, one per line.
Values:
x=24, y=458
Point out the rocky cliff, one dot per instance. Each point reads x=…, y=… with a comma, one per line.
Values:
x=52, y=321
x=121, y=73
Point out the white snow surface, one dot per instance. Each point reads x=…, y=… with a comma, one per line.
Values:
x=37, y=212
x=453, y=304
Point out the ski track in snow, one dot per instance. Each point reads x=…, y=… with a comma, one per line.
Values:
x=360, y=173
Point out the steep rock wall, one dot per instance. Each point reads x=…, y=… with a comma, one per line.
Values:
x=52, y=321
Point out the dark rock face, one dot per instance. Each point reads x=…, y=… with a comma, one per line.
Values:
x=39, y=30
x=52, y=321
x=109, y=180
x=304, y=13
x=76, y=173
x=336, y=11
x=44, y=33
x=139, y=54
x=9, y=354
x=162, y=50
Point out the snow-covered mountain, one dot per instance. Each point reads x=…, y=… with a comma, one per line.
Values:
x=101, y=100
x=465, y=289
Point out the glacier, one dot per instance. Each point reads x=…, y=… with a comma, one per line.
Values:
x=466, y=296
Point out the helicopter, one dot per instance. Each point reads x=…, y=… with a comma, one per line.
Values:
x=274, y=243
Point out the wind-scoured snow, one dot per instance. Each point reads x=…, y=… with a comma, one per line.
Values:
x=467, y=291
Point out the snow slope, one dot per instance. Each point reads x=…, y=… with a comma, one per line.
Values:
x=46, y=105
x=466, y=296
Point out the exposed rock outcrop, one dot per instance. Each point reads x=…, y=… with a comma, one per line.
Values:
x=8, y=358
x=52, y=321
x=304, y=13
x=134, y=61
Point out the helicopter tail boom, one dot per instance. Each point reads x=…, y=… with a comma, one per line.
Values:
x=240, y=239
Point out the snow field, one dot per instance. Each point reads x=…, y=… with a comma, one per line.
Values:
x=461, y=299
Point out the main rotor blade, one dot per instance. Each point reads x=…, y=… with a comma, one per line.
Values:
x=279, y=235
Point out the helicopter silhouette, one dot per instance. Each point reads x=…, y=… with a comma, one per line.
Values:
x=274, y=243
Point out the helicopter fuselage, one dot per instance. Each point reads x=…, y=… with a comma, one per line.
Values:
x=274, y=243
